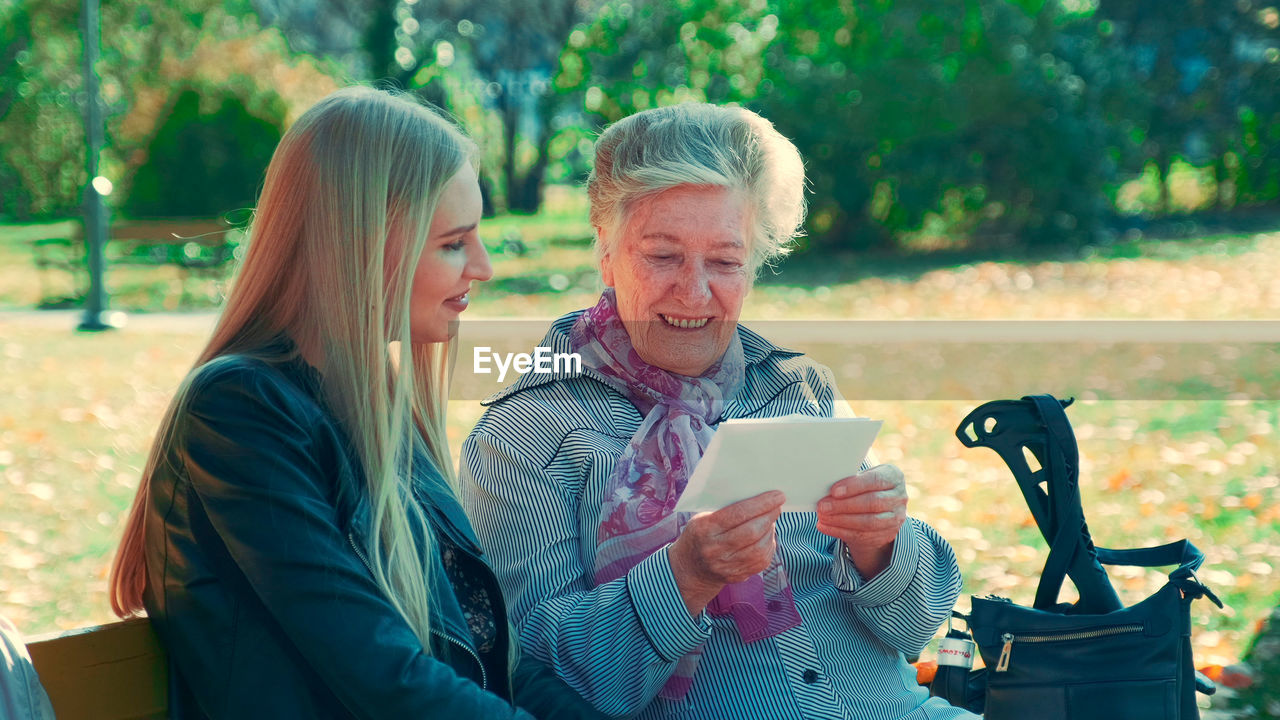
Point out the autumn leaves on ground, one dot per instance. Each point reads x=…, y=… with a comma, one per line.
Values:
x=77, y=413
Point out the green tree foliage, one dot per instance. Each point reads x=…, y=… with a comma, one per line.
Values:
x=207, y=158
x=489, y=63
x=1009, y=121
x=41, y=127
x=1000, y=120
x=1210, y=71
x=149, y=51
x=41, y=132
x=643, y=55
x=512, y=47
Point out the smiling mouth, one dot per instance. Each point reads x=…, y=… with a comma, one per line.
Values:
x=686, y=323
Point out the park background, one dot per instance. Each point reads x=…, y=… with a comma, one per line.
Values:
x=1022, y=159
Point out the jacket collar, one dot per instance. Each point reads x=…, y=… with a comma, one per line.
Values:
x=755, y=350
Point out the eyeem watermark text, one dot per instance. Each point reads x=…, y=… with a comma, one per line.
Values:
x=542, y=361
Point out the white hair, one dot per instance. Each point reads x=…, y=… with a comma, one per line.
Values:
x=702, y=145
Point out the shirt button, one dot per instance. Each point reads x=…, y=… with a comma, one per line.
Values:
x=810, y=676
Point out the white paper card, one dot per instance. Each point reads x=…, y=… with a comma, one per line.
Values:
x=797, y=454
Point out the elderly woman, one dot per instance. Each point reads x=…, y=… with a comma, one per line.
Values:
x=571, y=478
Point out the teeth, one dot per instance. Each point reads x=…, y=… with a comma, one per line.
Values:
x=676, y=322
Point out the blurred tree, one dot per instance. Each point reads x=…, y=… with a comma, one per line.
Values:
x=15, y=50
x=41, y=133
x=1211, y=70
x=510, y=47
x=322, y=28
x=996, y=119
x=1004, y=120
x=635, y=56
x=207, y=158
x=148, y=49
x=505, y=49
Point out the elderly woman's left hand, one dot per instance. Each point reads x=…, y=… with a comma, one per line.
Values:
x=865, y=511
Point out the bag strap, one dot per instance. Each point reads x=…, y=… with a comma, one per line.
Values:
x=1182, y=553
x=1071, y=549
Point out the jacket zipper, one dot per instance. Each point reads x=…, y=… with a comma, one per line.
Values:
x=484, y=675
x=1009, y=638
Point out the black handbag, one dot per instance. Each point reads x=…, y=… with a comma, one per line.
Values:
x=1094, y=658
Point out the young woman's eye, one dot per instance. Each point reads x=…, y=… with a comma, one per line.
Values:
x=456, y=245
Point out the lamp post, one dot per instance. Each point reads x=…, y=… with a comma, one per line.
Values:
x=96, y=316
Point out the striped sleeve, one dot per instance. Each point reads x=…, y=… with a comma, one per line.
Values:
x=616, y=643
x=661, y=609
x=910, y=599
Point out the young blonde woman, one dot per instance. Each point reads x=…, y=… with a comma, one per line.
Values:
x=295, y=539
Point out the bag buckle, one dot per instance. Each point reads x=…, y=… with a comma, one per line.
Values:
x=1191, y=587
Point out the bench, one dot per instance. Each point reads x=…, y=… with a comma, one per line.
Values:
x=198, y=248
x=116, y=671
x=119, y=671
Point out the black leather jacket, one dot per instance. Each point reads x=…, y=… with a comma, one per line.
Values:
x=258, y=587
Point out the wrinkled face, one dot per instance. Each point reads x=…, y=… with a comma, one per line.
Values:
x=680, y=271
x=452, y=258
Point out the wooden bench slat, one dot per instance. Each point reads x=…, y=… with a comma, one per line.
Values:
x=205, y=232
x=117, y=671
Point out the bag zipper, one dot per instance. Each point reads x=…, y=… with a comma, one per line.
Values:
x=484, y=675
x=1009, y=638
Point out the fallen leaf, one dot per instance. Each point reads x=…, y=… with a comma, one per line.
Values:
x=1118, y=481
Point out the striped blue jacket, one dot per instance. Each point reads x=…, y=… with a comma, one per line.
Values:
x=532, y=479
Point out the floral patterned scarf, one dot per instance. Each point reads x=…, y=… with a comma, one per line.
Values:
x=637, y=516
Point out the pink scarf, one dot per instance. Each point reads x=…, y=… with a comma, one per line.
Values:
x=636, y=517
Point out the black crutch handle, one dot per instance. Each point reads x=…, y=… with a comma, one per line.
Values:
x=1037, y=427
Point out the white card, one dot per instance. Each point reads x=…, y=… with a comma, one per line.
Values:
x=797, y=454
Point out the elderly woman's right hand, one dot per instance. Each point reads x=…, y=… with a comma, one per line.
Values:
x=724, y=547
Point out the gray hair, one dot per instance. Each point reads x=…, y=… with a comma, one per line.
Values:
x=699, y=144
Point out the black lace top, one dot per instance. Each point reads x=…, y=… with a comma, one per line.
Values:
x=472, y=595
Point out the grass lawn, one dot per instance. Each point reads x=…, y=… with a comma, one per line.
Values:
x=1226, y=276
x=77, y=413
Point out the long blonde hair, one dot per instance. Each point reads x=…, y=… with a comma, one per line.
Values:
x=358, y=167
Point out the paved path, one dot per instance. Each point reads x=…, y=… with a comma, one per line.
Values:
x=800, y=332
x=193, y=322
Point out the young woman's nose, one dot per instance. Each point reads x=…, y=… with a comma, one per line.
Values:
x=478, y=265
